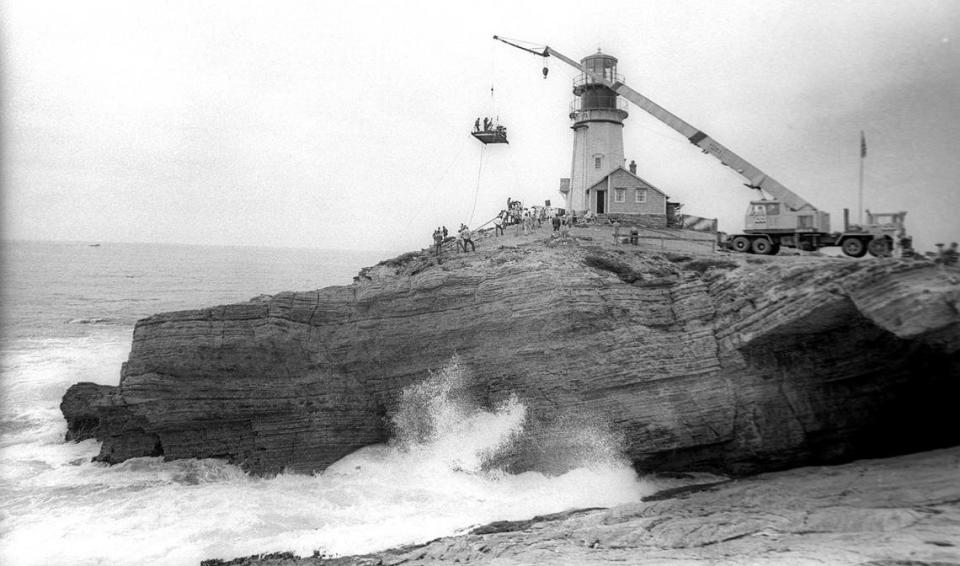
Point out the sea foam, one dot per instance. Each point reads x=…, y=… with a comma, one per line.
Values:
x=440, y=475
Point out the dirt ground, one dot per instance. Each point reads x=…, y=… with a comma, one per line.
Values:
x=649, y=240
x=666, y=239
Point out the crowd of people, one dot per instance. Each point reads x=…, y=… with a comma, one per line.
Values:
x=525, y=219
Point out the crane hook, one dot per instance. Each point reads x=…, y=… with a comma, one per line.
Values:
x=545, y=71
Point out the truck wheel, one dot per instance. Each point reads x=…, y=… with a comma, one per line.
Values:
x=762, y=246
x=741, y=244
x=853, y=247
x=879, y=247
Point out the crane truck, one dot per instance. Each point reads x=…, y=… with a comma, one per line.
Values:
x=786, y=219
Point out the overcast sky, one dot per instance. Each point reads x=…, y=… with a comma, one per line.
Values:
x=346, y=125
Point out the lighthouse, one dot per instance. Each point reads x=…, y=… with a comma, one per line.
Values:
x=597, y=114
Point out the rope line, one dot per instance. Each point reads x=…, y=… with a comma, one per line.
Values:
x=476, y=194
x=480, y=227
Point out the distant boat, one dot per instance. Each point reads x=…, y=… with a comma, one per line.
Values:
x=94, y=245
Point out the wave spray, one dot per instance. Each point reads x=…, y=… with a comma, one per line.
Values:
x=452, y=465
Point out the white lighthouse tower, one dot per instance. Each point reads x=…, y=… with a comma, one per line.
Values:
x=597, y=113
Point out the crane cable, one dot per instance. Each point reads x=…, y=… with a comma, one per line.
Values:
x=483, y=147
x=493, y=78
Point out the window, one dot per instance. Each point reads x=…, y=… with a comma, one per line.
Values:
x=619, y=195
x=597, y=160
x=641, y=196
x=773, y=209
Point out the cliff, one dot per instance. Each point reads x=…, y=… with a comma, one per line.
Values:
x=706, y=361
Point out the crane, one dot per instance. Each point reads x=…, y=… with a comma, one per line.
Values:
x=788, y=219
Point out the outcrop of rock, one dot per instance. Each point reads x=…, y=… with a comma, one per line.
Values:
x=728, y=363
x=902, y=511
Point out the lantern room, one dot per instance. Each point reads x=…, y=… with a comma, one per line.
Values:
x=592, y=95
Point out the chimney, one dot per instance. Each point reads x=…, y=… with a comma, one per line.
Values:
x=633, y=167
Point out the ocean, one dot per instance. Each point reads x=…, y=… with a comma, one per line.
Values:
x=68, y=312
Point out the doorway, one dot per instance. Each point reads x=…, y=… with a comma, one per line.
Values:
x=601, y=201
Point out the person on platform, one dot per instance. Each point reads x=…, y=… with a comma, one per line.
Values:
x=498, y=223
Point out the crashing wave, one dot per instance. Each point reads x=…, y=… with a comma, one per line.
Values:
x=438, y=418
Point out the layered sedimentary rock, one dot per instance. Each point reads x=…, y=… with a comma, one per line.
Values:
x=729, y=363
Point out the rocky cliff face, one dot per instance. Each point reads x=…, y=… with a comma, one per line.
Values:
x=729, y=363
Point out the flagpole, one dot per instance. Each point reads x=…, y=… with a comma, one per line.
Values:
x=860, y=195
x=863, y=153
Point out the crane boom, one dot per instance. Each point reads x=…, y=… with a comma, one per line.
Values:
x=756, y=178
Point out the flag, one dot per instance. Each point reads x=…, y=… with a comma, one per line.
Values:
x=863, y=145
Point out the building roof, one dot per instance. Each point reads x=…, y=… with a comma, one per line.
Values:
x=598, y=55
x=621, y=168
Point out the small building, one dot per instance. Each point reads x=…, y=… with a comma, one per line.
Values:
x=621, y=193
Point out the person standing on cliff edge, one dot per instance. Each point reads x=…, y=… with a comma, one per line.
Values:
x=467, y=238
x=437, y=241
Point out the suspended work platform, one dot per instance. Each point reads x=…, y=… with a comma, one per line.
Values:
x=491, y=136
x=490, y=133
